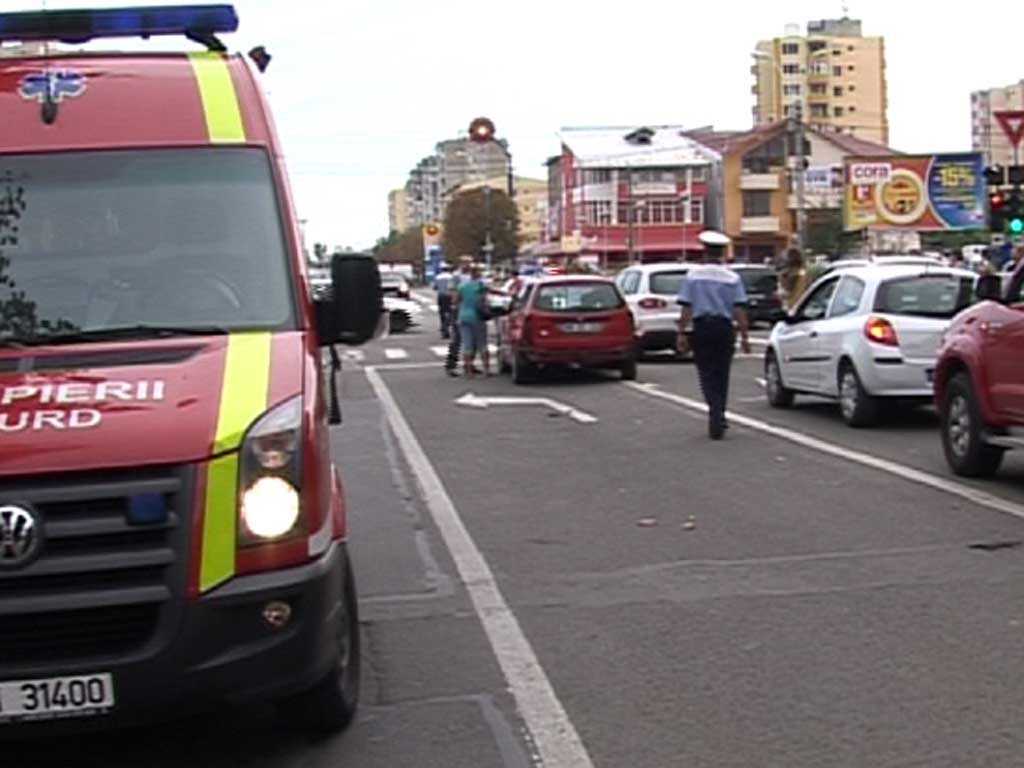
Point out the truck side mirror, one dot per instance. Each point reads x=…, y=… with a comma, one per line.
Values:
x=353, y=312
x=989, y=288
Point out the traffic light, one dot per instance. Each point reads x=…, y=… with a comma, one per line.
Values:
x=995, y=176
x=1014, y=213
x=996, y=211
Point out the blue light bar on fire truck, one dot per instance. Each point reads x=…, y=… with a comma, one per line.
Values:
x=196, y=22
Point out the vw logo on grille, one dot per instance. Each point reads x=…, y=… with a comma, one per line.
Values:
x=20, y=533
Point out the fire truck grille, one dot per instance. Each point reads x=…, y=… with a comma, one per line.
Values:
x=109, y=570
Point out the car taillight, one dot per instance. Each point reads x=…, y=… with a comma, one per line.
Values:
x=653, y=304
x=880, y=331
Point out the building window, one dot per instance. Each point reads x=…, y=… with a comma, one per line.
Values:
x=819, y=110
x=837, y=51
x=838, y=71
x=699, y=174
x=837, y=91
x=851, y=88
x=851, y=108
x=791, y=90
x=819, y=89
x=816, y=45
x=597, y=213
x=850, y=68
x=597, y=176
x=790, y=49
x=850, y=48
x=791, y=69
x=838, y=111
x=697, y=210
x=757, y=203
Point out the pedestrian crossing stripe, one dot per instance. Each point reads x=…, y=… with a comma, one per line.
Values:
x=394, y=353
x=443, y=351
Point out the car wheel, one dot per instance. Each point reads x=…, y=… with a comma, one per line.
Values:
x=778, y=395
x=330, y=705
x=859, y=409
x=398, y=322
x=963, y=432
x=522, y=369
x=628, y=370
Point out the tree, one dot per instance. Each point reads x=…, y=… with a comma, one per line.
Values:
x=401, y=248
x=466, y=224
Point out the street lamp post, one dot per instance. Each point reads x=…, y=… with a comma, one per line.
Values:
x=482, y=131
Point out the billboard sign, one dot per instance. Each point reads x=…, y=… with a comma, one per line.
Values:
x=923, y=193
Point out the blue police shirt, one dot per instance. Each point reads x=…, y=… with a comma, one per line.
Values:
x=712, y=290
x=443, y=282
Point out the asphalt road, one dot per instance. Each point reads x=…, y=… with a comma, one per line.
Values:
x=527, y=578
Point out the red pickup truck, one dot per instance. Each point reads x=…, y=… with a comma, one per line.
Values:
x=979, y=378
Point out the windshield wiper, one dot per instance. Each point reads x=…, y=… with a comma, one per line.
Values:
x=121, y=332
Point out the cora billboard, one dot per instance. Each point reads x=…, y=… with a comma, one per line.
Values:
x=926, y=193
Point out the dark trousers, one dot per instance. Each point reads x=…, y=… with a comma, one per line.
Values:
x=713, y=344
x=454, y=348
x=444, y=311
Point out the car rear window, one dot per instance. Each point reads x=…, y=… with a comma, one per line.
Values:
x=577, y=297
x=762, y=281
x=667, y=283
x=925, y=295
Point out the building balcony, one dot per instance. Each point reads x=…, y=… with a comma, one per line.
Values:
x=760, y=225
x=755, y=182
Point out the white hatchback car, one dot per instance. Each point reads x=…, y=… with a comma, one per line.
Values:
x=864, y=333
x=651, y=291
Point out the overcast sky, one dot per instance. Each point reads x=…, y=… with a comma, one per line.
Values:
x=362, y=89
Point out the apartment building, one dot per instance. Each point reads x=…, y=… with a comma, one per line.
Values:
x=987, y=135
x=832, y=76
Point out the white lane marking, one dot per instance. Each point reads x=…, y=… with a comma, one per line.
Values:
x=758, y=342
x=473, y=401
x=354, y=354
x=552, y=731
x=443, y=351
x=403, y=366
x=761, y=382
x=428, y=302
x=396, y=353
x=865, y=459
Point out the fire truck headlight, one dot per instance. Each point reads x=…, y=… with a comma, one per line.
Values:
x=270, y=508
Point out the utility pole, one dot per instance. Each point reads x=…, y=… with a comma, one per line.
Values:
x=801, y=213
x=630, y=214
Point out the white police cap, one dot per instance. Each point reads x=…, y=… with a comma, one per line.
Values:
x=711, y=237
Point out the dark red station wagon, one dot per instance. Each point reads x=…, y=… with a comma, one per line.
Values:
x=567, y=320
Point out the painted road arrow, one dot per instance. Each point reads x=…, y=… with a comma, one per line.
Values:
x=472, y=401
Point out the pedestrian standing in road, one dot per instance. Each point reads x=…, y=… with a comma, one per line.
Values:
x=713, y=298
x=443, y=287
x=473, y=322
x=455, y=345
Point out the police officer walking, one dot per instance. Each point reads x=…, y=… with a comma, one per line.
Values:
x=712, y=297
x=443, y=287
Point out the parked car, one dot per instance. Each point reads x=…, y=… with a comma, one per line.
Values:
x=761, y=283
x=866, y=333
x=651, y=291
x=568, y=320
x=394, y=284
x=979, y=379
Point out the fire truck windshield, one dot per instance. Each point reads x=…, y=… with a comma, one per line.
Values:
x=169, y=238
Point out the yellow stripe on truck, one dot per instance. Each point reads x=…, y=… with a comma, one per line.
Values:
x=220, y=101
x=243, y=398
